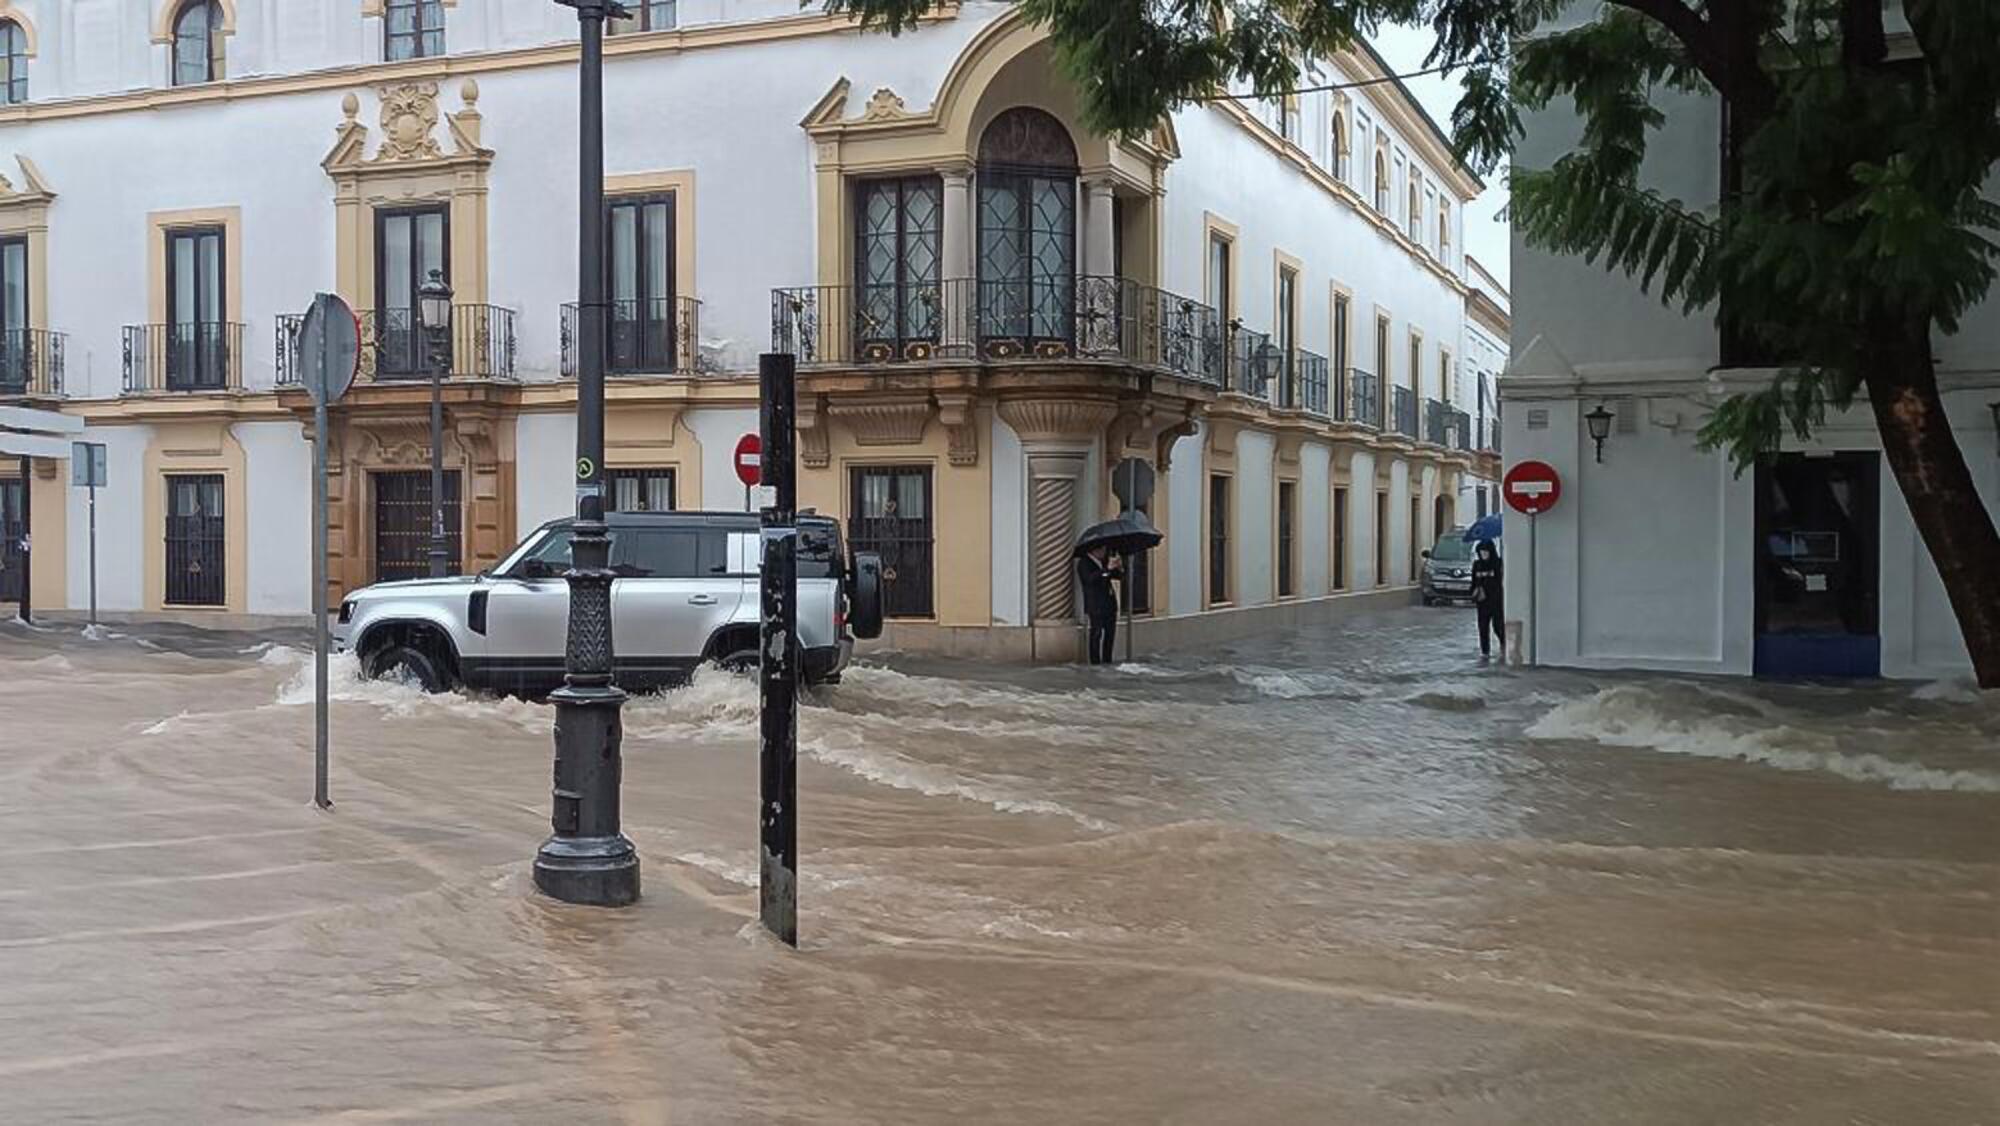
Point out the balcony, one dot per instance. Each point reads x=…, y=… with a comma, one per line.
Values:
x=1403, y=411
x=969, y=321
x=660, y=336
x=1364, y=400
x=183, y=357
x=31, y=363
x=481, y=341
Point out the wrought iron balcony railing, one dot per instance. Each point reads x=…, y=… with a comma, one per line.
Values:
x=31, y=363
x=1309, y=373
x=968, y=320
x=480, y=343
x=658, y=336
x=1461, y=432
x=1364, y=402
x=1437, y=422
x=183, y=357
x=1403, y=411
x=1255, y=363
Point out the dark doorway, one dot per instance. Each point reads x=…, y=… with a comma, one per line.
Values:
x=1818, y=552
x=195, y=541
x=403, y=524
x=891, y=516
x=13, y=576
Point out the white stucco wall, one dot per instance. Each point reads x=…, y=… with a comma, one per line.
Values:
x=543, y=444
x=280, y=493
x=1256, y=505
x=1187, y=535
x=1010, y=525
x=1315, y=505
x=121, y=506
x=718, y=431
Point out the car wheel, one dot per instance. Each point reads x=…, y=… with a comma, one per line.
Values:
x=407, y=663
x=742, y=662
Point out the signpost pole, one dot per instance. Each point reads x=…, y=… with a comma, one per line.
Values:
x=320, y=796
x=1125, y=588
x=778, y=672
x=93, y=551
x=1534, y=591
x=27, y=538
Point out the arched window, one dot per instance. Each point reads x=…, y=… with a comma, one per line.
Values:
x=1027, y=232
x=198, y=43
x=1339, y=145
x=1444, y=230
x=1381, y=182
x=412, y=29
x=1416, y=217
x=13, y=63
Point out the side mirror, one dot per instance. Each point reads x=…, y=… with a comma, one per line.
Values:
x=533, y=568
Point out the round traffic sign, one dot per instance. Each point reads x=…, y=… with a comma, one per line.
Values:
x=1532, y=487
x=749, y=459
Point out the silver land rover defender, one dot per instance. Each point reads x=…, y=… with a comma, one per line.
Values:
x=686, y=593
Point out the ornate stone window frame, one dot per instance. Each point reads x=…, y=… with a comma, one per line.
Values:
x=409, y=166
x=24, y=213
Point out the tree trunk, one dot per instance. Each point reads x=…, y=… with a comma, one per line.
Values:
x=1936, y=483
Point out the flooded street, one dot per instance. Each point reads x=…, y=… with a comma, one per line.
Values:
x=1344, y=877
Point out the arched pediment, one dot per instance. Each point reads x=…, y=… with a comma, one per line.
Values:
x=169, y=10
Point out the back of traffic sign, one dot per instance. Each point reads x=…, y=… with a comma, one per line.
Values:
x=329, y=348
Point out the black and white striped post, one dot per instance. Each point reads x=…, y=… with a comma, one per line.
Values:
x=778, y=669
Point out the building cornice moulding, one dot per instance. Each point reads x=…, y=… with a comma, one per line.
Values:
x=701, y=37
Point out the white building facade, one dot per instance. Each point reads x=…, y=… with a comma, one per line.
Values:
x=1266, y=303
x=1659, y=555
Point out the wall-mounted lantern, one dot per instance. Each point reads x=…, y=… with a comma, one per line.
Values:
x=1599, y=421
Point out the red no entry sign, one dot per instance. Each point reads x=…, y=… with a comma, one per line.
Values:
x=1531, y=487
x=749, y=459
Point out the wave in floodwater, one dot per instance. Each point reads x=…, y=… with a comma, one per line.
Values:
x=1645, y=718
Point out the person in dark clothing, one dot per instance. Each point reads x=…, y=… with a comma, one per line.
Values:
x=1488, y=593
x=1097, y=569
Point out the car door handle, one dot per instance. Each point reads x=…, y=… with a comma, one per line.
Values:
x=701, y=600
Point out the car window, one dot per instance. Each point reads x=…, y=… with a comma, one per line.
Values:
x=1452, y=551
x=671, y=553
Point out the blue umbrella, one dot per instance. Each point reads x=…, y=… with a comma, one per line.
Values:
x=1485, y=528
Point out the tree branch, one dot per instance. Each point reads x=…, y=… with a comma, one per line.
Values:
x=1863, y=41
x=1695, y=34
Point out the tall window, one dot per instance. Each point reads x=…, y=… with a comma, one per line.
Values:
x=1416, y=525
x=1382, y=349
x=1288, y=118
x=1288, y=333
x=412, y=29
x=1219, y=275
x=410, y=242
x=1381, y=183
x=639, y=490
x=1381, y=539
x=899, y=232
x=1340, y=539
x=1288, y=504
x=198, y=43
x=1027, y=230
x=1444, y=229
x=1416, y=364
x=197, y=338
x=1218, y=538
x=13, y=63
x=1416, y=206
x=891, y=516
x=194, y=535
x=16, y=360
x=1340, y=345
x=642, y=284
x=1444, y=375
x=1339, y=149
x=647, y=15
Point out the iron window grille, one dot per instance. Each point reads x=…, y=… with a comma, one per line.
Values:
x=196, y=540
x=892, y=517
x=639, y=490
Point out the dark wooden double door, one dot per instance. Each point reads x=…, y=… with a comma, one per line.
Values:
x=403, y=524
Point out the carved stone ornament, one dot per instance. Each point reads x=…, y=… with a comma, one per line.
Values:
x=815, y=452
x=409, y=118
x=961, y=424
x=884, y=423
x=35, y=190
x=1057, y=420
x=885, y=105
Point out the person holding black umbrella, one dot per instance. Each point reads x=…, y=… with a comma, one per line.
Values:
x=1097, y=569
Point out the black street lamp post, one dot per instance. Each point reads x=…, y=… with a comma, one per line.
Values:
x=588, y=860
x=434, y=309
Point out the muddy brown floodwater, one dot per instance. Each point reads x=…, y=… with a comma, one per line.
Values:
x=1341, y=877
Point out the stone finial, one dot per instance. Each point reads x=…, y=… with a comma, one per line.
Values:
x=469, y=94
x=350, y=107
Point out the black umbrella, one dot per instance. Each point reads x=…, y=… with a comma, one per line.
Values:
x=1130, y=534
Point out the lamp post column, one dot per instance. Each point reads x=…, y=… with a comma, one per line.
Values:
x=587, y=859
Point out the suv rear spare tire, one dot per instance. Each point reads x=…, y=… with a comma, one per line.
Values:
x=864, y=596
